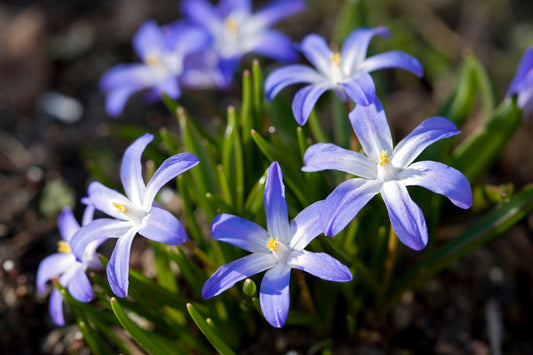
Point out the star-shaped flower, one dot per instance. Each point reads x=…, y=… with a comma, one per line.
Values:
x=71, y=272
x=236, y=31
x=277, y=249
x=134, y=213
x=162, y=51
x=522, y=83
x=334, y=70
x=388, y=171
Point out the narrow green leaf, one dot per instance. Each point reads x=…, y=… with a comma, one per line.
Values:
x=209, y=331
x=258, y=93
x=477, y=153
x=151, y=342
x=232, y=160
x=489, y=226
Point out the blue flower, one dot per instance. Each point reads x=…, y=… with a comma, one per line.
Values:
x=388, y=171
x=162, y=51
x=236, y=31
x=71, y=272
x=522, y=83
x=134, y=213
x=277, y=249
x=334, y=70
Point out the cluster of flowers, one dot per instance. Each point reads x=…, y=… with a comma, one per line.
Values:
x=230, y=30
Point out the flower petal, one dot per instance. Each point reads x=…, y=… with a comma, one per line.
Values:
x=275, y=205
x=320, y=265
x=148, y=39
x=119, y=264
x=203, y=13
x=372, y=130
x=276, y=11
x=226, y=7
x=439, y=178
x=354, y=48
x=171, y=167
x=182, y=38
x=316, y=50
x=406, y=217
x=274, y=295
x=425, y=134
x=170, y=87
x=97, y=229
x=275, y=45
x=163, y=227
x=328, y=156
x=51, y=266
x=305, y=99
x=361, y=89
x=227, y=275
x=524, y=67
x=291, y=74
x=117, y=98
x=104, y=199
x=240, y=232
x=305, y=226
x=131, y=169
x=67, y=224
x=55, y=306
x=343, y=204
x=131, y=75
x=79, y=286
x=392, y=59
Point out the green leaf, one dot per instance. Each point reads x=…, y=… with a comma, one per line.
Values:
x=151, y=342
x=479, y=151
x=209, y=331
x=491, y=225
x=232, y=160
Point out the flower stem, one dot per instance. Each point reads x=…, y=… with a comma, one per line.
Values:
x=300, y=278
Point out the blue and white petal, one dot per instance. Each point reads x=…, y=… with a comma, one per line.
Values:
x=274, y=295
x=406, y=217
x=118, y=266
x=240, y=232
x=328, y=156
x=320, y=265
x=131, y=169
x=275, y=205
x=343, y=204
x=305, y=99
x=355, y=46
x=439, y=178
x=227, y=275
x=291, y=74
x=392, y=59
x=428, y=132
x=306, y=226
x=161, y=226
x=171, y=167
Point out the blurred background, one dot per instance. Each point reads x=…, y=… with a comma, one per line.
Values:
x=55, y=137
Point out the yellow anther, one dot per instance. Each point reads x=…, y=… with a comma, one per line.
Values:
x=336, y=58
x=383, y=159
x=231, y=25
x=151, y=59
x=120, y=207
x=272, y=244
x=63, y=247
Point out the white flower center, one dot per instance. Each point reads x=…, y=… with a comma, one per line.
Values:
x=336, y=74
x=386, y=171
x=280, y=250
x=132, y=213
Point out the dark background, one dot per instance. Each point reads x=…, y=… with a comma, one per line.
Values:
x=57, y=47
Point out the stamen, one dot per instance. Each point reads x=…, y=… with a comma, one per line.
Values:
x=383, y=159
x=120, y=207
x=63, y=247
x=231, y=25
x=336, y=59
x=272, y=244
x=151, y=59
